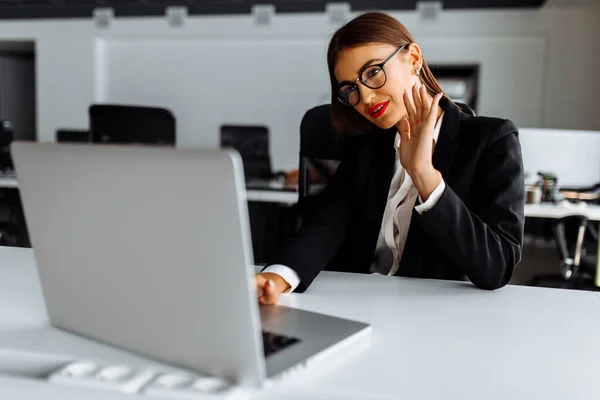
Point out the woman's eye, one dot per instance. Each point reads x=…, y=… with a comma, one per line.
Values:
x=372, y=72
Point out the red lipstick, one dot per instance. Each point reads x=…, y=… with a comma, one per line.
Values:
x=378, y=109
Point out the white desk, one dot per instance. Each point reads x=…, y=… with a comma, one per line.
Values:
x=592, y=211
x=272, y=196
x=430, y=340
x=272, y=191
x=276, y=192
x=8, y=182
x=267, y=195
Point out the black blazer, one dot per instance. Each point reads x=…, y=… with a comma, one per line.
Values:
x=475, y=230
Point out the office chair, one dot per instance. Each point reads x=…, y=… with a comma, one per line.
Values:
x=268, y=221
x=252, y=142
x=110, y=123
x=465, y=109
x=7, y=134
x=8, y=225
x=72, y=136
x=320, y=155
x=13, y=231
x=576, y=243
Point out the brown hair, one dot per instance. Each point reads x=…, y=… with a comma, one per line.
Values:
x=370, y=27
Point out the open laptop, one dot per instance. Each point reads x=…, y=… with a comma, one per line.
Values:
x=148, y=249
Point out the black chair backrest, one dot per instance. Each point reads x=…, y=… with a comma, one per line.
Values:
x=252, y=142
x=465, y=108
x=7, y=132
x=320, y=155
x=7, y=135
x=111, y=123
x=72, y=136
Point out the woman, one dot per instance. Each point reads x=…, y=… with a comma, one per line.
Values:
x=423, y=189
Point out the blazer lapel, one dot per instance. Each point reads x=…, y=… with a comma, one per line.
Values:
x=445, y=147
x=379, y=179
x=383, y=162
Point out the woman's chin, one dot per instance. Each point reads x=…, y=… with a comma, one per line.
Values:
x=384, y=123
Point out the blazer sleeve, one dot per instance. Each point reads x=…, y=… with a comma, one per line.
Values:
x=323, y=232
x=486, y=240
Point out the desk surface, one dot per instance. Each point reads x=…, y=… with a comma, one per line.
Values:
x=8, y=182
x=430, y=339
x=592, y=211
x=268, y=192
x=272, y=191
x=279, y=192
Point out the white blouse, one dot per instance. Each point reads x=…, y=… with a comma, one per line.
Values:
x=402, y=197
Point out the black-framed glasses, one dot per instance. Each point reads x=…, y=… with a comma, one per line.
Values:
x=372, y=76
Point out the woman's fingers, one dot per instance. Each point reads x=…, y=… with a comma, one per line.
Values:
x=404, y=128
x=417, y=99
x=421, y=109
x=270, y=294
x=425, y=101
x=410, y=108
x=266, y=290
x=432, y=117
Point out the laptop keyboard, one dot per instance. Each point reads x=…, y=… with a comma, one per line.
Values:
x=273, y=342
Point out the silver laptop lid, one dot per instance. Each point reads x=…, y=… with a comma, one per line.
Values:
x=147, y=249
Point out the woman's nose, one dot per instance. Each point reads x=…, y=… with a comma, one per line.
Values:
x=366, y=94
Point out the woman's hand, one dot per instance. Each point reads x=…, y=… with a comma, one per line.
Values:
x=416, y=148
x=269, y=287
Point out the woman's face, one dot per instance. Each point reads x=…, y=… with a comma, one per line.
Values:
x=384, y=106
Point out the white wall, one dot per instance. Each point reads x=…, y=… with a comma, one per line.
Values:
x=539, y=68
x=217, y=81
x=574, y=156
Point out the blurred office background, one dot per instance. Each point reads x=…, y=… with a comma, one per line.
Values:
x=261, y=64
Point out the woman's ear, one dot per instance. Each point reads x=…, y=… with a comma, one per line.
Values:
x=415, y=57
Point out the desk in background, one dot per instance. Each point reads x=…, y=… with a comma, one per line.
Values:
x=259, y=191
x=272, y=191
x=271, y=213
x=431, y=340
x=280, y=192
x=8, y=182
x=555, y=211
